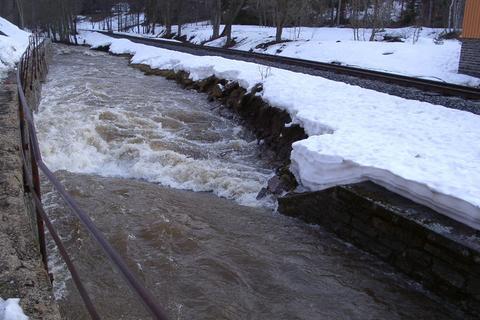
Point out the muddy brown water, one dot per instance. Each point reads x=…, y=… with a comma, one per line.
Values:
x=211, y=253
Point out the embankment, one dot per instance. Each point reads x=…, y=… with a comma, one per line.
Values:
x=22, y=273
x=438, y=252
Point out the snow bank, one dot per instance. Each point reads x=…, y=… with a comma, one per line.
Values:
x=423, y=59
x=12, y=45
x=11, y=310
x=425, y=152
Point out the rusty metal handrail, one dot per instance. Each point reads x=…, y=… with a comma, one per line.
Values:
x=36, y=159
x=63, y=252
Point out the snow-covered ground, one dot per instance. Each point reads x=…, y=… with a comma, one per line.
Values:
x=423, y=58
x=12, y=45
x=11, y=310
x=425, y=152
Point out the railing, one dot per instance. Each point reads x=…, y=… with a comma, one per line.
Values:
x=30, y=68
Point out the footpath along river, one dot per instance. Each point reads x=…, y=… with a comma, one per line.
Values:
x=172, y=179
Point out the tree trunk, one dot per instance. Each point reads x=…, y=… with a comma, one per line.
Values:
x=227, y=31
x=430, y=13
x=339, y=10
x=21, y=19
x=216, y=30
x=282, y=10
x=231, y=16
x=332, y=12
x=179, y=16
x=167, y=18
x=138, y=22
x=278, y=35
x=375, y=20
x=450, y=15
x=216, y=18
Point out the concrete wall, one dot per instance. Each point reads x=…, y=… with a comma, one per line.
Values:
x=22, y=274
x=470, y=57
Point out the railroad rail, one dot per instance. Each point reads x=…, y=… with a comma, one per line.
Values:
x=28, y=70
x=442, y=88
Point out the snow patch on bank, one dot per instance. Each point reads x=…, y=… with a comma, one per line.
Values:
x=12, y=45
x=10, y=310
x=425, y=152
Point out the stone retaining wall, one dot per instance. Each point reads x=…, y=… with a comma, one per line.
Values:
x=22, y=274
x=440, y=253
x=470, y=57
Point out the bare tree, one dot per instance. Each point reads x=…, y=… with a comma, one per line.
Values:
x=355, y=19
x=455, y=15
x=20, y=13
x=375, y=23
x=281, y=11
x=166, y=13
x=381, y=14
x=179, y=16
x=233, y=8
x=339, y=10
x=215, y=7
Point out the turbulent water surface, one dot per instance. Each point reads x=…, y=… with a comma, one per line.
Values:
x=132, y=150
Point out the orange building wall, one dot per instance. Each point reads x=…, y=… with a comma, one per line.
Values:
x=471, y=21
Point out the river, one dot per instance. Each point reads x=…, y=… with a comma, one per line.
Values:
x=171, y=179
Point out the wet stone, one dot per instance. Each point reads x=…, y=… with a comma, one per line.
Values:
x=473, y=287
x=446, y=273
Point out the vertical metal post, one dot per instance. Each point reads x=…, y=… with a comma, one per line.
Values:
x=23, y=141
x=40, y=224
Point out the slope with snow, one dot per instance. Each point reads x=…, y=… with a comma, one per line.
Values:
x=427, y=153
x=12, y=45
x=422, y=58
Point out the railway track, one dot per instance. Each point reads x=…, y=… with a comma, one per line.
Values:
x=312, y=67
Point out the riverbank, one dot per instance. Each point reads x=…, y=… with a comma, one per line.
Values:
x=453, y=273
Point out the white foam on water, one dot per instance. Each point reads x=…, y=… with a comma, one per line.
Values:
x=86, y=124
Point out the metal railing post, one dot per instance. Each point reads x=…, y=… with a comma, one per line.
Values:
x=40, y=224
